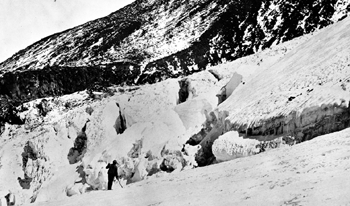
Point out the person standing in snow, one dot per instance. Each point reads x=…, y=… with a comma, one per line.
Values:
x=112, y=172
x=10, y=197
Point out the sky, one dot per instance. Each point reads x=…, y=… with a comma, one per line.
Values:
x=23, y=22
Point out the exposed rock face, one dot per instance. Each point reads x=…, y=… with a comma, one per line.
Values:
x=25, y=85
x=8, y=113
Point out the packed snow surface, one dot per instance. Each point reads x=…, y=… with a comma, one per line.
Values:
x=313, y=173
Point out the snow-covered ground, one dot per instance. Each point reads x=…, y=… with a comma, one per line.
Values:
x=313, y=173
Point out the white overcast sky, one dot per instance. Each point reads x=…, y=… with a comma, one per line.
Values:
x=23, y=22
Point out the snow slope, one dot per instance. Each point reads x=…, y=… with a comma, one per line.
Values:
x=313, y=173
x=308, y=82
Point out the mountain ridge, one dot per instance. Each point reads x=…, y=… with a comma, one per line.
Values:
x=255, y=19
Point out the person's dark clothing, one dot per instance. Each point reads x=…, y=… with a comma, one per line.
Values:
x=112, y=172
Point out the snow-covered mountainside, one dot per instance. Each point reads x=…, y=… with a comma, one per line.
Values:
x=147, y=31
x=149, y=41
x=57, y=147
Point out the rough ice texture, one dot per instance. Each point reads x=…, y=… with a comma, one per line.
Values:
x=305, y=93
x=48, y=144
x=312, y=173
x=231, y=146
x=298, y=89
